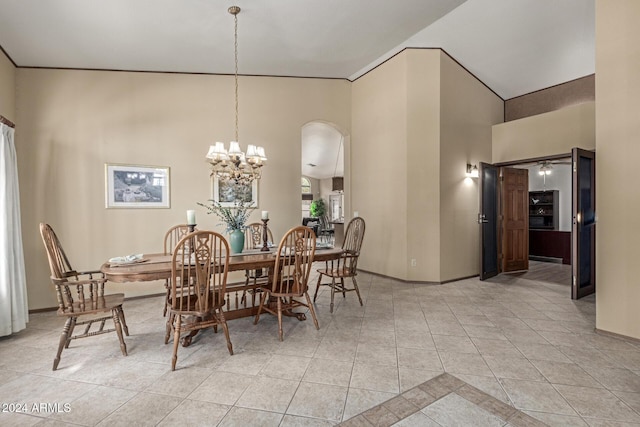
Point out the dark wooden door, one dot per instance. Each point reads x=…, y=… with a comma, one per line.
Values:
x=583, y=230
x=515, y=219
x=488, y=220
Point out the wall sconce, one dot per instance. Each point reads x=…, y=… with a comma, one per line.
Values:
x=472, y=171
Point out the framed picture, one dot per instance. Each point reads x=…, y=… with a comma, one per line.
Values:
x=227, y=193
x=134, y=186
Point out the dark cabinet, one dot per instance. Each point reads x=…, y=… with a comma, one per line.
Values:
x=543, y=210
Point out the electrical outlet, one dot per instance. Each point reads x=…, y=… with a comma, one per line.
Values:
x=414, y=263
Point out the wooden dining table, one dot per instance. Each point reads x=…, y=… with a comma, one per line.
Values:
x=240, y=297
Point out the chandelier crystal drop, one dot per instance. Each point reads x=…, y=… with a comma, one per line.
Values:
x=233, y=165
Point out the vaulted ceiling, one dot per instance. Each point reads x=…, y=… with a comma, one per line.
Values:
x=513, y=46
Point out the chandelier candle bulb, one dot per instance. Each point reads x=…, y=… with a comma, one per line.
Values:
x=265, y=214
x=191, y=217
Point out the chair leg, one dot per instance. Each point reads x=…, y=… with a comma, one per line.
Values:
x=344, y=292
x=225, y=328
x=166, y=299
x=315, y=295
x=176, y=342
x=70, y=333
x=169, y=326
x=118, y=328
x=280, y=333
x=333, y=291
x=264, y=296
x=63, y=341
x=123, y=321
x=312, y=310
x=355, y=286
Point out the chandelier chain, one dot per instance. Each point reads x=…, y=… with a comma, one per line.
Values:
x=235, y=34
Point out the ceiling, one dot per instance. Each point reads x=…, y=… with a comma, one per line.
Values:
x=513, y=46
x=322, y=151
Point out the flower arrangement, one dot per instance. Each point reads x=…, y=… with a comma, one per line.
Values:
x=234, y=218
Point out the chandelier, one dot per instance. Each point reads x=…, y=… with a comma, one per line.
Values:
x=233, y=165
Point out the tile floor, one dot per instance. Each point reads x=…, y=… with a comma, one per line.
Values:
x=523, y=342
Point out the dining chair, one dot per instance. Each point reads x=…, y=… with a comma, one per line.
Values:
x=326, y=231
x=254, y=240
x=292, y=268
x=171, y=239
x=345, y=266
x=198, y=286
x=81, y=298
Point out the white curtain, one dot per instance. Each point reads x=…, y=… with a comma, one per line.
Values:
x=14, y=313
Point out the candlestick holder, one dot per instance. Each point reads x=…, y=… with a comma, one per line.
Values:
x=191, y=227
x=265, y=246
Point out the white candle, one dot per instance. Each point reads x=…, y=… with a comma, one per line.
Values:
x=265, y=214
x=191, y=217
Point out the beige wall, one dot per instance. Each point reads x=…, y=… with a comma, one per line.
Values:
x=378, y=172
x=423, y=107
x=468, y=109
x=76, y=121
x=547, y=134
x=617, y=130
x=7, y=88
x=423, y=122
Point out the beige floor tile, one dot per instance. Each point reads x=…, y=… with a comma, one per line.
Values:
x=179, y=383
x=631, y=399
x=553, y=420
x=410, y=339
x=221, y=387
x=296, y=421
x=95, y=405
x=541, y=352
x=243, y=417
x=376, y=355
x=488, y=332
x=454, y=410
x=513, y=367
x=30, y=389
x=410, y=378
x=491, y=347
x=379, y=338
x=446, y=328
x=597, y=403
x=144, y=409
x=248, y=362
x=565, y=373
x=332, y=372
x=285, y=367
x=319, y=401
x=455, y=344
x=627, y=359
x=545, y=325
x=489, y=385
x=416, y=358
x=375, y=377
x=195, y=413
x=16, y=419
x=268, y=394
x=462, y=363
x=359, y=400
x=418, y=419
x=616, y=379
x=536, y=396
x=341, y=350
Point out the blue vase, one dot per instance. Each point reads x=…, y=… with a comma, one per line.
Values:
x=236, y=241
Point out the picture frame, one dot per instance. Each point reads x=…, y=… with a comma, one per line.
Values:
x=137, y=186
x=226, y=194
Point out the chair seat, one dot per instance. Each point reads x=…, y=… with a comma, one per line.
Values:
x=340, y=272
x=186, y=308
x=99, y=305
